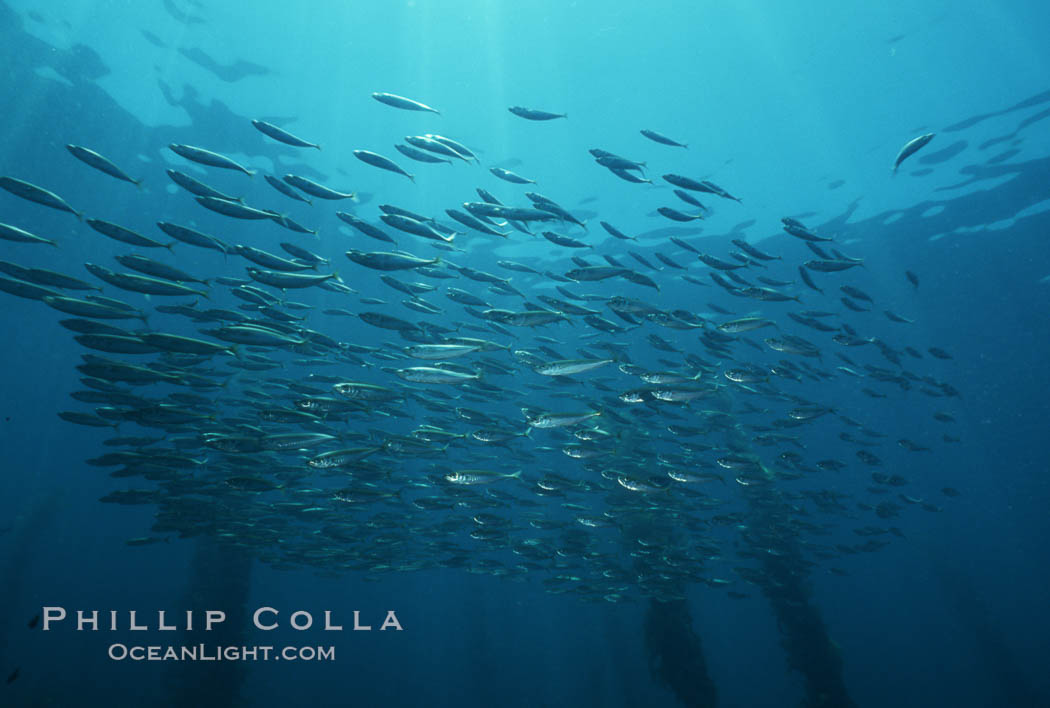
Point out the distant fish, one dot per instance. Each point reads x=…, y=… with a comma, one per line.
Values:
x=419, y=155
x=718, y=263
x=675, y=215
x=613, y=231
x=798, y=231
x=234, y=209
x=126, y=235
x=45, y=278
x=668, y=261
x=286, y=281
x=314, y=189
x=474, y=223
x=508, y=176
x=13, y=233
x=830, y=266
x=753, y=251
x=21, y=288
x=531, y=114
x=389, y=261
x=192, y=237
x=282, y=136
x=287, y=223
x=364, y=227
x=269, y=260
x=590, y=274
x=414, y=227
x=36, y=194
x=683, y=244
x=629, y=176
x=406, y=104
x=616, y=162
x=375, y=160
x=207, y=157
x=567, y=367
x=564, y=241
x=662, y=139
x=431, y=144
x=808, y=281
x=910, y=148
x=194, y=186
x=457, y=146
x=856, y=293
x=284, y=189
x=93, y=159
x=689, y=198
x=303, y=254
x=153, y=268
x=701, y=186
x=853, y=306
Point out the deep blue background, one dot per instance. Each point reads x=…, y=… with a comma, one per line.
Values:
x=776, y=104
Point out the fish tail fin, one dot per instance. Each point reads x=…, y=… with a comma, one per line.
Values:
x=80, y=215
x=251, y=173
x=317, y=146
x=137, y=183
x=412, y=177
x=55, y=244
x=515, y=475
x=170, y=246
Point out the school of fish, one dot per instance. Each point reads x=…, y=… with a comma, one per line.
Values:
x=578, y=423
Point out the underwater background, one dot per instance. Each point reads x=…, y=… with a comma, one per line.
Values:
x=798, y=110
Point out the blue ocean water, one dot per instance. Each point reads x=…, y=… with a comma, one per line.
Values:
x=800, y=112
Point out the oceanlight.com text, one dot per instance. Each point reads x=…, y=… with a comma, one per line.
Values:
x=205, y=652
